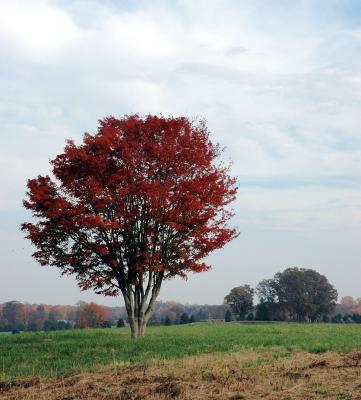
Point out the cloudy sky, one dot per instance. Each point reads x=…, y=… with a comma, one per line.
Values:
x=278, y=82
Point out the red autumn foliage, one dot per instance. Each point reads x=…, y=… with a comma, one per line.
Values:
x=142, y=200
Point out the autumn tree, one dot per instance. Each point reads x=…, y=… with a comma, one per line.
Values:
x=57, y=311
x=240, y=299
x=349, y=305
x=13, y=314
x=140, y=201
x=90, y=316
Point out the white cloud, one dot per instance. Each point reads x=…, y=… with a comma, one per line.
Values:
x=36, y=28
x=307, y=209
x=277, y=92
x=136, y=36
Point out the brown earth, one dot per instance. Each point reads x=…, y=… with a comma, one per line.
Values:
x=215, y=376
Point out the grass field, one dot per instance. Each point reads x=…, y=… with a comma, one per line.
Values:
x=68, y=352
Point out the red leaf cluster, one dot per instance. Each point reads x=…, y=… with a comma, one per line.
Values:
x=141, y=195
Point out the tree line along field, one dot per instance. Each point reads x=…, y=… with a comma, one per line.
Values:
x=60, y=353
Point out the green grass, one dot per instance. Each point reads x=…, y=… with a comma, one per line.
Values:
x=65, y=352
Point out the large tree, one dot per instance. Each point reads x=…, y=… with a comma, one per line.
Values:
x=140, y=201
x=240, y=299
x=300, y=293
x=305, y=293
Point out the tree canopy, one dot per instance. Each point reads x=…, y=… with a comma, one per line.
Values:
x=300, y=292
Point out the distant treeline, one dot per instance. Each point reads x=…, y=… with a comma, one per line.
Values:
x=35, y=317
x=17, y=316
x=296, y=294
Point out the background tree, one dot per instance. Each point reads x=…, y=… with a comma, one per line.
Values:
x=240, y=299
x=266, y=291
x=154, y=320
x=59, y=312
x=51, y=323
x=61, y=325
x=264, y=311
x=228, y=316
x=349, y=305
x=302, y=293
x=305, y=293
x=39, y=317
x=90, y=316
x=184, y=319
x=14, y=315
x=142, y=200
x=250, y=316
x=120, y=323
x=267, y=309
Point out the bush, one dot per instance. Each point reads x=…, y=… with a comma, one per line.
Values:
x=120, y=323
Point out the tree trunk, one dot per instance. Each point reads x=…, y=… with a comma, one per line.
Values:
x=142, y=329
x=138, y=308
x=133, y=327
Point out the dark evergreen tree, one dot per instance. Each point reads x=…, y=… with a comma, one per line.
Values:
x=51, y=323
x=250, y=317
x=228, y=316
x=264, y=311
x=184, y=319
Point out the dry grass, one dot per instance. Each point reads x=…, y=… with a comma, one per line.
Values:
x=215, y=376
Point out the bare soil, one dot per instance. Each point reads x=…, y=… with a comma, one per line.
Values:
x=214, y=376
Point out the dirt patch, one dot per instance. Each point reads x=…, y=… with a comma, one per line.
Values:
x=352, y=360
x=215, y=376
x=169, y=388
x=18, y=383
x=318, y=364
